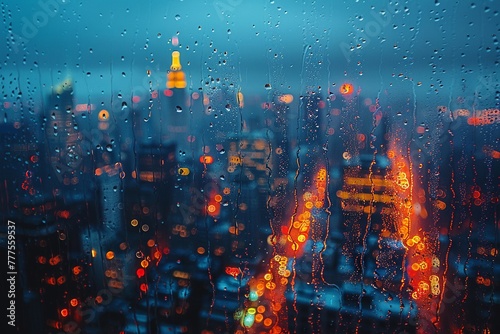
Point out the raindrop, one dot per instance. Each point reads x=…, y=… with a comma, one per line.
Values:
x=178, y=109
x=124, y=105
x=222, y=177
x=109, y=148
x=228, y=107
x=177, y=17
x=267, y=86
x=222, y=151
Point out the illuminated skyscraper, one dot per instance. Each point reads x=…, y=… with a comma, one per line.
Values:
x=171, y=118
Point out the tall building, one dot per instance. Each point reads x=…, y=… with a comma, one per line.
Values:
x=70, y=170
x=171, y=117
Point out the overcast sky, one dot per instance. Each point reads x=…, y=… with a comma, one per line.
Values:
x=444, y=45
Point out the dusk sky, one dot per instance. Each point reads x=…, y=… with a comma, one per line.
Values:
x=291, y=44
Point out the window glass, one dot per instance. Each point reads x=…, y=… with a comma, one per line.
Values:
x=232, y=166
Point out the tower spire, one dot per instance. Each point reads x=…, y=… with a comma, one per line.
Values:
x=176, y=77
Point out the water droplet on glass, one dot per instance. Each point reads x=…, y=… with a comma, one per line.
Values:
x=222, y=177
x=109, y=148
x=267, y=86
x=178, y=109
x=177, y=17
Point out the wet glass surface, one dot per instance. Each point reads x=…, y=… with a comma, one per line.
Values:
x=244, y=166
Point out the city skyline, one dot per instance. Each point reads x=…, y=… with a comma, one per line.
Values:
x=242, y=167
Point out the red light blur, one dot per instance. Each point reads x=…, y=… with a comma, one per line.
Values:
x=140, y=272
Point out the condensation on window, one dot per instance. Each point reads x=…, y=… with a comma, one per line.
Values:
x=232, y=166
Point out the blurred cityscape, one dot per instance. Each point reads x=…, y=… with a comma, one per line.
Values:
x=210, y=211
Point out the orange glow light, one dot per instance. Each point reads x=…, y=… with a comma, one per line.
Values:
x=206, y=159
x=346, y=89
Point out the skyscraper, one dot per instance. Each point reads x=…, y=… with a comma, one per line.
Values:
x=171, y=118
x=65, y=151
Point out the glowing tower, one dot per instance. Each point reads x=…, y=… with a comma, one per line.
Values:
x=173, y=116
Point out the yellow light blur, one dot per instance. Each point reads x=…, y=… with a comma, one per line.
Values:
x=240, y=99
x=286, y=98
x=183, y=171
